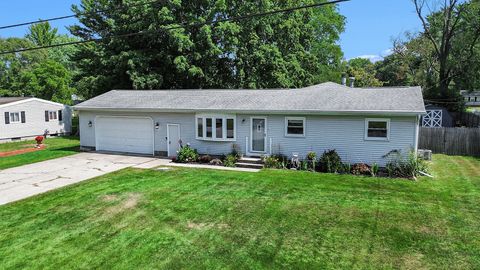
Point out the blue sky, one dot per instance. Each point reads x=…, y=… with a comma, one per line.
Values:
x=371, y=24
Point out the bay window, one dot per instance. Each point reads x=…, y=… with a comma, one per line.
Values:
x=216, y=127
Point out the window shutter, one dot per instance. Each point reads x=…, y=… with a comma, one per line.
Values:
x=7, y=118
x=60, y=115
x=46, y=116
x=23, y=116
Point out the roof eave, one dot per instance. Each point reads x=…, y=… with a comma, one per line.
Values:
x=307, y=112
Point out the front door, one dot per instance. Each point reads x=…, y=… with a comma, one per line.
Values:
x=173, y=139
x=259, y=134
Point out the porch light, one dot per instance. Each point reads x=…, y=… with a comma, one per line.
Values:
x=157, y=125
x=90, y=124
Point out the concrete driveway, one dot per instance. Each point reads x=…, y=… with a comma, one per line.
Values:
x=28, y=180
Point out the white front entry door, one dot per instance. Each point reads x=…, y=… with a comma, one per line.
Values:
x=173, y=139
x=259, y=134
x=124, y=134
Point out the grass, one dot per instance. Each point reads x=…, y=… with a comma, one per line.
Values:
x=205, y=219
x=55, y=148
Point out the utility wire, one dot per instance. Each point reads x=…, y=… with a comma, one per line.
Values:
x=76, y=15
x=180, y=25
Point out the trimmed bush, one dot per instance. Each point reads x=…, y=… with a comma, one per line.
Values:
x=187, y=154
x=330, y=162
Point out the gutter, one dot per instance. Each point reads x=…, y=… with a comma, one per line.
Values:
x=281, y=112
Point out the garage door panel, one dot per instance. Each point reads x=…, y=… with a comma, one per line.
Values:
x=124, y=134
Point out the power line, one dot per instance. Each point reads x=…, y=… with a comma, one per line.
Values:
x=180, y=25
x=75, y=15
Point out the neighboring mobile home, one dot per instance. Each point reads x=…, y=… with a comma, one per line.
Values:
x=27, y=117
x=361, y=124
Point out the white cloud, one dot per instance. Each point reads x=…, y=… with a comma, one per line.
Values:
x=375, y=57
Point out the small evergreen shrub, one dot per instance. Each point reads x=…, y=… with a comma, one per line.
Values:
x=330, y=162
x=187, y=154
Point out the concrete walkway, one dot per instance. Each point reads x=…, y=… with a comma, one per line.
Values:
x=168, y=163
x=29, y=180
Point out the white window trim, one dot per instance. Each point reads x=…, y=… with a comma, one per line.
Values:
x=52, y=112
x=295, y=118
x=214, y=117
x=19, y=117
x=367, y=120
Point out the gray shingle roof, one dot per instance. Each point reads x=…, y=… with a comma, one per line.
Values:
x=322, y=98
x=6, y=100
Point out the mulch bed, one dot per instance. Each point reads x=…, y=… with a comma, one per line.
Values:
x=21, y=151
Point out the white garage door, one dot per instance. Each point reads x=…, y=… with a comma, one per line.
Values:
x=124, y=134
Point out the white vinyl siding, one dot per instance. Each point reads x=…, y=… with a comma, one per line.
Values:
x=345, y=134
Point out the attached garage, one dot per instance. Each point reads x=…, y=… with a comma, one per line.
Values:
x=124, y=134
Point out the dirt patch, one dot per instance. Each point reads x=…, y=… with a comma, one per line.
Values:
x=129, y=202
x=21, y=151
x=413, y=261
x=109, y=198
x=203, y=226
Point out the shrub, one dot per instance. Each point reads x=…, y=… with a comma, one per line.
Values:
x=205, y=159
x=345, y=168
x=187, y=154
x=405, y=167
x=374, y=169
x=361, y=169
x=311, y=156
x=230, y=160
x=275, y=162
x=330, y=162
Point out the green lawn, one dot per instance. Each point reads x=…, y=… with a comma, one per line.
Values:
x=55, y=148
x=205, y=219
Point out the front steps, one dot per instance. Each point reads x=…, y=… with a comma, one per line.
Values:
x=250, y=163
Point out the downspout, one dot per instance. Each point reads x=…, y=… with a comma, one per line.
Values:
x=417, y=131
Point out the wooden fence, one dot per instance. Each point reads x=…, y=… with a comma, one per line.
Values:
x=451, y=141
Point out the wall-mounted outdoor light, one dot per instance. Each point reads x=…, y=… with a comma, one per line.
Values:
x=243, y=120
x=157, y=125
x=90, y=124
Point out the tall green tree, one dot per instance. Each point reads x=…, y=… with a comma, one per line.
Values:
x=364, y=72
x=453, y=32
x=42, y=34
x=282, y=50
x=48, y=80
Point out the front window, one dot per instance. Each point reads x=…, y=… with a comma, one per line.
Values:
x=14, y=117
x=295, y=126
x=52, y=115
x=209, y=127
x=215, y=127
x=377, y=129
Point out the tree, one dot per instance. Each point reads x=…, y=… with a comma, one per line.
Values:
x=454, y=32
x=42, y=34
x=364, y=72
x=47, y=80
x=282, y=50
